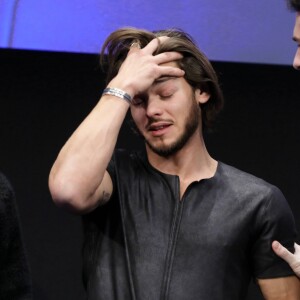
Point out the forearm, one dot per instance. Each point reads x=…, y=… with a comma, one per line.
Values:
x=79, y=168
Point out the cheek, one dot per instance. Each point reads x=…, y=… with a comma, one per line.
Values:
x=137, y=115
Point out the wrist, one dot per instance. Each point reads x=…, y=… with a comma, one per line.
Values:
x=125, y=85
x=116, y=92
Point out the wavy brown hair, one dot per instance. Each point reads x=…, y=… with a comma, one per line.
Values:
x=294, y=5
x=199, y=72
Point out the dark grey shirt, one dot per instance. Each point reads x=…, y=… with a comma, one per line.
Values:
x=147, y=244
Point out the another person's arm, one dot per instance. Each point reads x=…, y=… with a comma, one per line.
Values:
x=78, y=179
x=275, y=278
x=292, y=259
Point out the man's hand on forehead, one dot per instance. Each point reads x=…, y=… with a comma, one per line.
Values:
x=141, y=68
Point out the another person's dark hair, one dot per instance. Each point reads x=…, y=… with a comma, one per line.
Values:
x=199, y=72
x=294, y=5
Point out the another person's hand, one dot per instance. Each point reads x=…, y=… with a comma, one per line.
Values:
x=292, y=259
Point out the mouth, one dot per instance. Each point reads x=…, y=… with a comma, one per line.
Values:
x=159, y=128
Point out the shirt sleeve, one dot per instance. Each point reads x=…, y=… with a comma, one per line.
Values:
x=113, y=165
x=274, y=221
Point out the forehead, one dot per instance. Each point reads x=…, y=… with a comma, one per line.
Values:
x=165, y=83
x=165, y=78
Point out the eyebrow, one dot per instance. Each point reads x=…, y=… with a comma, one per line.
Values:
x=163, y=79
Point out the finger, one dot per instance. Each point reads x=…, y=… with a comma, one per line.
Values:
x=135, y=46
x=171, y=71
x=166, y=57
x=283, y=252
x=297, y=247
x=152, y=46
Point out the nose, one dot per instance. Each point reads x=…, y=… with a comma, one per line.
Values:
x=154, y=107
x=296, y=63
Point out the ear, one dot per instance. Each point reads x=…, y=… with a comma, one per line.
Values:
x=201, y=97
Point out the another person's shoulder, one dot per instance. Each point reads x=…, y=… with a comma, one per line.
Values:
x=6, y=190
x=7, y=199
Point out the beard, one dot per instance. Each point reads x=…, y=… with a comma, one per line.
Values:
x=192, y=122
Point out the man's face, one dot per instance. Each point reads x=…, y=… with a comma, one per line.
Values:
x=296, y=38
x=168, y=114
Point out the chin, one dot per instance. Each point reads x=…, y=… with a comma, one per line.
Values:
x=165, y=150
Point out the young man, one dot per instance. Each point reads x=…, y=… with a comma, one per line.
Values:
x=170, y=222
x=292, y=259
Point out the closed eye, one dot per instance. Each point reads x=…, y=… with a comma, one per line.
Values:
x=137, y=101
x=166, y=96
